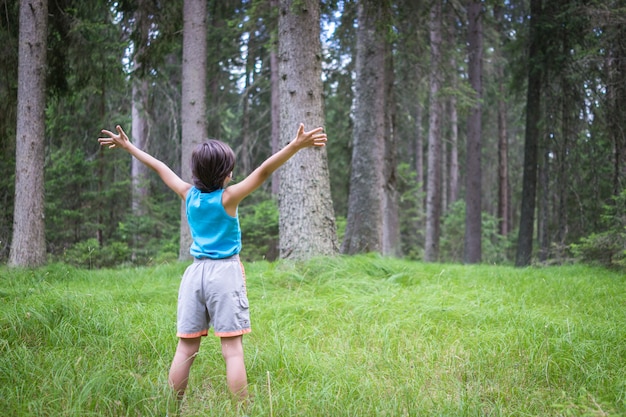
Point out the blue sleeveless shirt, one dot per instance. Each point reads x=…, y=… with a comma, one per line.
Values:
x=216, y=234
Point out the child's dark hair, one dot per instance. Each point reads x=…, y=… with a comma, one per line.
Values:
x=211, y=162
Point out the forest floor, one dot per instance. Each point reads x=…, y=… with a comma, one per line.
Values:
x=344, y=336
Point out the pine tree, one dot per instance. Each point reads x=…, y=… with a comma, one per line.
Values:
x=28, y=246
x=307, y=220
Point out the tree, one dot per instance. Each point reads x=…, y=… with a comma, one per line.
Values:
x=391, y=225
x=473, y=188
x=615, y=63
x=433, y=181
x=307, y=220
x=28, y=246
x=533, y=118
x=453, y=160
x=9, y=41
x=275, y=100
x=139, y=112
x=409, y=100
x=504, y=210
x=193, y=107
x=364, y=229
x=339, y=69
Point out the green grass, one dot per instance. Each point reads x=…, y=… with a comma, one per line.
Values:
x=345, y=336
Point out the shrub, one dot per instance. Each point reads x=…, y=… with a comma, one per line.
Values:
x=411, y=213
x=494, y=245
x=89, y=254
x=259, y=230
x=607, y=248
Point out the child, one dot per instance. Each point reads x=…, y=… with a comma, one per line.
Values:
x=213, y=288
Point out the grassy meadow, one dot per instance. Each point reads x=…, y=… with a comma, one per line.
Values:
x=345, y=336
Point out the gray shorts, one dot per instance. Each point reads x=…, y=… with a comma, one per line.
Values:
x=213, y=293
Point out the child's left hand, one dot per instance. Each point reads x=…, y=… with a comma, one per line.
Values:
x=315, y=137
x=119, y=140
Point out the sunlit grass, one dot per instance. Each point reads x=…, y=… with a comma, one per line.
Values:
x=345, y=336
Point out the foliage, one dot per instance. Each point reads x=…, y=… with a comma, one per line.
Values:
x=606, y=248
x=259, y=230
x=68, y=200
x=154, y=236
x=89, y=254
x=343, y=336
x=494, y=245
x=411, y=215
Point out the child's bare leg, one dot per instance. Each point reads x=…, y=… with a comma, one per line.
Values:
x=236, y=378
x=181, y=364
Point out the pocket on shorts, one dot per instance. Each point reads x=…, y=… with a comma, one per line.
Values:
x=243, y=300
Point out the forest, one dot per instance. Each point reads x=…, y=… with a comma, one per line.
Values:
x=458, y=130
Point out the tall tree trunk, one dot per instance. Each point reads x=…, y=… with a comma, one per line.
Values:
x=139, y=171
x=450, y=154
x=433, y=187
x=504, y=210
x=364, y=228
x=139, y=108
x=391, y=227
x=244, y=155
x=28, y=245
x=193, y=107
x=543, y=211
x=275, y=104
x=418, y=145
x=215, y=21
x=533, y=117
x=616, y=97
x=473, y=188
x=306, y=220
x=453, y=160
x=445, y=186
x=567, y=130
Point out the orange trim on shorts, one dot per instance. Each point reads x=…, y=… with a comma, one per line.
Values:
x=243, y=273
x=192, y=335
x=233, y=334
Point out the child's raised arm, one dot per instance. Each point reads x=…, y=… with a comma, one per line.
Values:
x=120, y=140
x=237, y=192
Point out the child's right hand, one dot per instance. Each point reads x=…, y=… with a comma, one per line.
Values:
x=315, y=137
x=119, y=140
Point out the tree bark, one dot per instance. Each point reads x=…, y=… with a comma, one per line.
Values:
x=193, y=107
x=533, y=118
x=139, y=108
x=433, y=187
x=504, y=207
x=473, y=187
x=306, y=216
x=275, y=105
x=139, y=130
x=391, y=226
x=418, y=145
x=543, y=210
x=28, y=245
x=615, y=98
x=244, y=155
x=366, y=201
x=453, y=160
